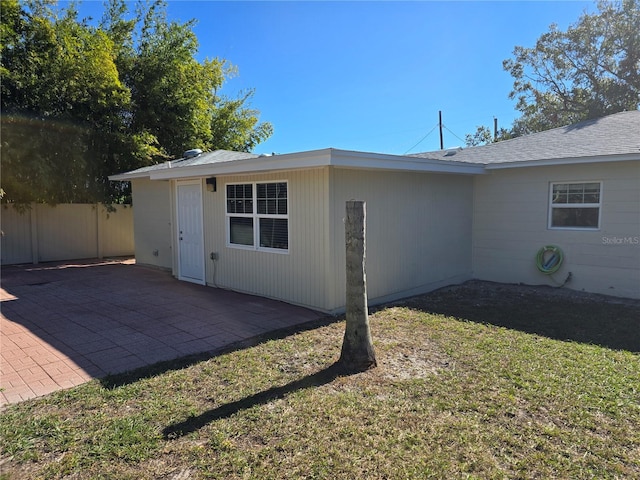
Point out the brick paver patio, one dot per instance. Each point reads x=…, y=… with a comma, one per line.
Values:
x=64, y=324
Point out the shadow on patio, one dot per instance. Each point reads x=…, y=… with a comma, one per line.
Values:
x=66, y=323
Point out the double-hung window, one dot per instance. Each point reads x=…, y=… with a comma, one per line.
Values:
x=575, y=205
x=258, y=215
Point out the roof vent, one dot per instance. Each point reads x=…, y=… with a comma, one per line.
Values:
x=192, y=153
x=452, y=151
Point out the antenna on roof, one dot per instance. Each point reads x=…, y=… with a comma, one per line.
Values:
x=440, y=125
x=495, y=129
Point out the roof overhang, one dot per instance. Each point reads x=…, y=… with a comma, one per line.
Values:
x=564, y=161
x=125, y=177
x=307, y=160
x=377, y=161
x=352, y=160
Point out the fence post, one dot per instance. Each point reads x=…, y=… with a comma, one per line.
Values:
x=35, y=249
x=99, y=232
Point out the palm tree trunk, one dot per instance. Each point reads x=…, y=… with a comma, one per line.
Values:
x=357, y=347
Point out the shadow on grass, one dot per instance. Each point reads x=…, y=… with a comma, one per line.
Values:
x=132, y=376
x=193, y=424
x=554, y=313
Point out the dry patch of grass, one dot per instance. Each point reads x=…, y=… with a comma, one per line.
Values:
x=451, y=398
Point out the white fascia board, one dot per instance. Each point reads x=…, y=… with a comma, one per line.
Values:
x=377, y=161
x=565, y=161
x=310, y=159
x=289, y=161
x=125, y=177
x=352, y=159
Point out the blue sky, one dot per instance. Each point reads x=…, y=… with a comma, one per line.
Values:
x=370, y=76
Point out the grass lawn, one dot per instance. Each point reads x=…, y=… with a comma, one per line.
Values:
x=479, y=382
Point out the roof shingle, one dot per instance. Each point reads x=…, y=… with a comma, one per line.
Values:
x=617, y=134
x=207, y=158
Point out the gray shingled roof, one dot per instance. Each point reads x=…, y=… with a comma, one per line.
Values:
x=207, y=158
x=615, y=137
x=617, y=134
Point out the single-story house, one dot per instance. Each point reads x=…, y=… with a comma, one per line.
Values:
x=273, y=225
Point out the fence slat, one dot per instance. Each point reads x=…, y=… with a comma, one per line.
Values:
x=16, y=236
x=65, y=232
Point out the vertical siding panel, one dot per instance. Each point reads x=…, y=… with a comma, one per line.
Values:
x=418, y=230
x=297, y=276
x=152, y=222
x=511, y=224
x=16, y=236
x=418, y=234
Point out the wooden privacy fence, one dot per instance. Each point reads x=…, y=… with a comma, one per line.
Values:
x=45, y=233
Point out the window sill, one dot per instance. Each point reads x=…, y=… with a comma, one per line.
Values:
x=251, y=248
x=579, y=229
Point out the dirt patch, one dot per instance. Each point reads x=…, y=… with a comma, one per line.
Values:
x=481, y=293
x=408, y=363
x=557, y=313
x=402, y=356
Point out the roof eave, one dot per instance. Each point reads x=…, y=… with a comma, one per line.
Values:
x=564, y=161
x=356, y=160
x=376, y=161
x=316, y=159
x=125, y=177
x=290, y=161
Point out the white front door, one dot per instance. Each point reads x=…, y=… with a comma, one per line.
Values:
x=190, y=232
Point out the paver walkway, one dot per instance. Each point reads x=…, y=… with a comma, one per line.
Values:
x=64, y=324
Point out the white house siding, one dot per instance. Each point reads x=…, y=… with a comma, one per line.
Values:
x=152, y=222
x=298, y=276
x=418, y=231
x=511, y=224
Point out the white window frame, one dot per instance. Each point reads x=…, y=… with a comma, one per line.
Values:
x=256, y=218
x=553, y=206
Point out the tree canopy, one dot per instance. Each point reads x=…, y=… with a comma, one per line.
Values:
x=588, y=71
x=81, y=102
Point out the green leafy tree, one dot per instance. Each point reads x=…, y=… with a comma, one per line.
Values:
x=172, y=92
x=590, y=70
x=235, y=126
x=81, y=102
x=61, y=95
x=174, y=96
x=484, y=136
